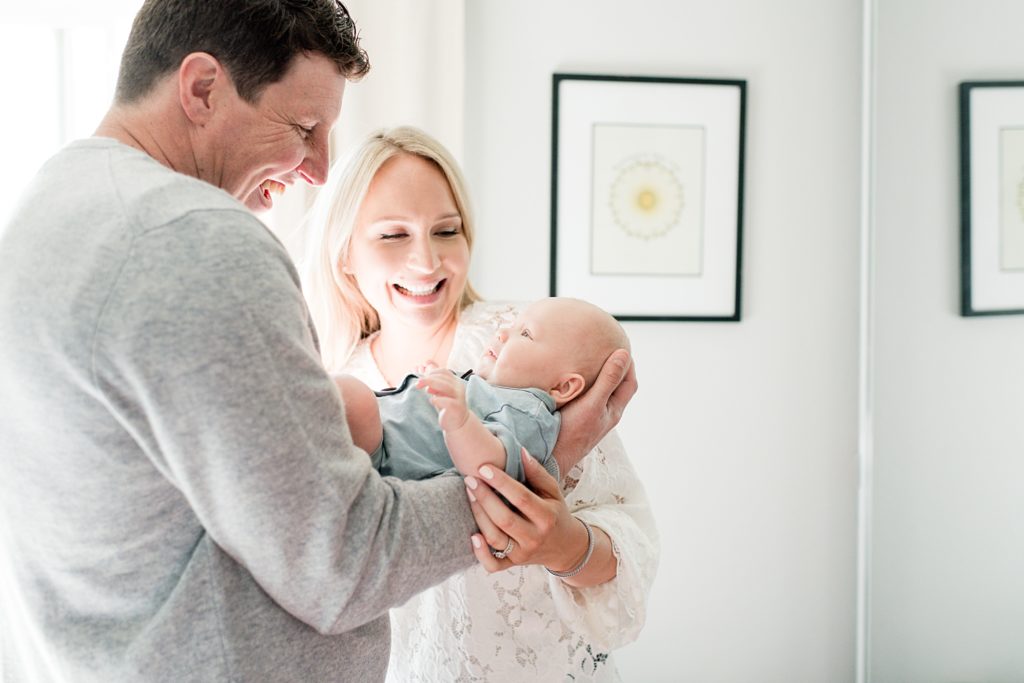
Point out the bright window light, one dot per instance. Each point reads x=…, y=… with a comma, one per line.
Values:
x=60, y=95
x=62, y=61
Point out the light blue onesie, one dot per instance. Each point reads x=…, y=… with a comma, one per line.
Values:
x=414, y=447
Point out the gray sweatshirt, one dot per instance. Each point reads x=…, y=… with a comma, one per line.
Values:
x=179, y=493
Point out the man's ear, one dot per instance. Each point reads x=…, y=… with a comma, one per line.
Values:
x=569, y=387
x=200, y=77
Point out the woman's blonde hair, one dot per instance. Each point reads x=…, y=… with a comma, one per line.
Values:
x=340, y=311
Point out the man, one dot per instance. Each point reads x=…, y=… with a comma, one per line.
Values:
x=180, y=491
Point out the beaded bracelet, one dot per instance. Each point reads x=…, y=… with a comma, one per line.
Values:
x=586, y=556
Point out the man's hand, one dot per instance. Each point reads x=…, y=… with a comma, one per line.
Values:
x=586, y=420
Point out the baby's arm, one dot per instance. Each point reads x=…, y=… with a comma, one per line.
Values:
x=470, y=444
x=361, y=411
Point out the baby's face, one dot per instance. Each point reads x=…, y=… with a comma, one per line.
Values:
x=533, y=352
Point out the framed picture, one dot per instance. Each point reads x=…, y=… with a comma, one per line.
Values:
x=647, y=195
x=991, y=197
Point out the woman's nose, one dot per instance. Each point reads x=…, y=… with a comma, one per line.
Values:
x=424, y=258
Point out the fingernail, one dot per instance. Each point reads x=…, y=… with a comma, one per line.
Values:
x=526, y=455
x=471, y=482
x=471, y=496
x=476, y=541
x=486, y=472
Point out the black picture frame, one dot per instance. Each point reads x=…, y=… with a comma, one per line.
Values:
x=647, y=190
x=991, y=198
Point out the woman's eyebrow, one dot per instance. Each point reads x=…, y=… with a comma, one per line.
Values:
x=391, y=219
x=407, y=219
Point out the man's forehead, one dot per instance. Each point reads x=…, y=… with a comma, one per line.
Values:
x=309, y=75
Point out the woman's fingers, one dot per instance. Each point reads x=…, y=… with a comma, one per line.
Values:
x=502, y=517
x=541, y=527
x=587, y=419
x=532, y=521
x=627, y=384
x=489, y=538
x=483, y=555
x=495, y=537
x=539, y=479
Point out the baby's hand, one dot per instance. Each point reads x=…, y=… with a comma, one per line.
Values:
x=427, y=368
x=448, y=396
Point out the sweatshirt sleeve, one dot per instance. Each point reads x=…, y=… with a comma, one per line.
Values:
x=205, y=352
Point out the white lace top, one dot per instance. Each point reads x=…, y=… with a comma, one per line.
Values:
x=523, y=624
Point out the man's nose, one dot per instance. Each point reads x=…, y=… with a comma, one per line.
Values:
x=313, y=168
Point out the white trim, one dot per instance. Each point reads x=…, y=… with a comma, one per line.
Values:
x=865, y=386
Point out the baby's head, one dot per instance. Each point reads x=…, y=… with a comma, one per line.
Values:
x=558, y=345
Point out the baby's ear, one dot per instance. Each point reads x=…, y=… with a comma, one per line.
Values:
x=569, y=387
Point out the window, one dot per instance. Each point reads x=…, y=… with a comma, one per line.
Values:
x=60, y=69
x=59, y=81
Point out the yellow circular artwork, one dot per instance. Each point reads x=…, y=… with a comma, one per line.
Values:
x=646, y=199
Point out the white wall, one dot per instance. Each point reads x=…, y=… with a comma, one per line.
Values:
x=745, y=433
x=947, y=596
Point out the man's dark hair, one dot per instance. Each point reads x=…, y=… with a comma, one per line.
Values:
x=255, y=40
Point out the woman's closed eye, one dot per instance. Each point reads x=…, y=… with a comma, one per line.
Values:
x=525, y=333
x=448, y=232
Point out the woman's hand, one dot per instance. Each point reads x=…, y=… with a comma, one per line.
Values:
x=587, y=419
x=539, y=525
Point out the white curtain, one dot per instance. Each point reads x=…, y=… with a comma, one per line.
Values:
x=416, y=50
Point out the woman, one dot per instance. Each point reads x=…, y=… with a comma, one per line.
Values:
x=386, y=275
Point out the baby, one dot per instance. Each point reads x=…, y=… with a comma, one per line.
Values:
x=552, y=352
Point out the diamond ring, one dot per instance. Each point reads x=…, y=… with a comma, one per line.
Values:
x=502, y=554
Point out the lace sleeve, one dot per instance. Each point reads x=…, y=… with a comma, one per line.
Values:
x=603, y=490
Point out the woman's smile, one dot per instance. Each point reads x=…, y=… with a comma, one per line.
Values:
x=421, y=291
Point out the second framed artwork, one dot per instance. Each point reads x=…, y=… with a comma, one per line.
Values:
x=991, y=197
x=647, y=195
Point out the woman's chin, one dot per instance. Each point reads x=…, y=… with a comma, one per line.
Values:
x=416, y=312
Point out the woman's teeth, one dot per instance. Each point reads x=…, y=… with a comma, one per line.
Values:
x=413, y=290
